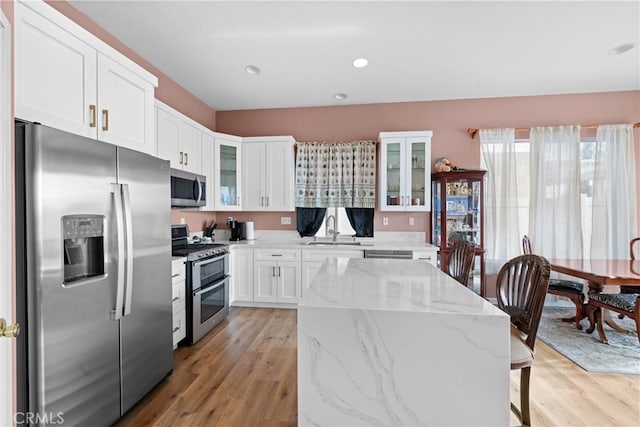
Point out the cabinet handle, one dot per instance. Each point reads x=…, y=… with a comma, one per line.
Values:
x=181, y=158
x=105, y=120
x=186, y=159
x=273, y=271
x=175, y=299
x=278, y=271
x=267, y=200
x=176, y=329
x=261, y=200
x=93, y=121
x=276, y=254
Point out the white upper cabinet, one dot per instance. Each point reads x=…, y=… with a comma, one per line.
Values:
x=208, y=169
x=179, y=139
x=405, y=171
x=227, y=172
x=268, y=166
x=68, y=79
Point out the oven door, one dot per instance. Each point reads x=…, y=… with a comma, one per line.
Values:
x=210, y=307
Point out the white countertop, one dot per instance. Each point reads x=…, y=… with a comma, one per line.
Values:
x=392, y=285
x=303, y=244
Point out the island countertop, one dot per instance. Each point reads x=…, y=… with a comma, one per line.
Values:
x=395, y=285
x=398, y=342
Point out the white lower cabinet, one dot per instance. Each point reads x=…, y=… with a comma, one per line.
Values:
x=242, y=274
x=277, y=276
x=178, y=300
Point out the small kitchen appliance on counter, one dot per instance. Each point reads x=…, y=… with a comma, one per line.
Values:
x=248, y=232
x=236, y=229
x=207, y=282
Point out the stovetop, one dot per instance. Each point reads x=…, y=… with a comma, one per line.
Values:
x=180, y=245
x=196, y=251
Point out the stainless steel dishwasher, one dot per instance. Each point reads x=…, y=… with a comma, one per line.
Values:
x=388, y=254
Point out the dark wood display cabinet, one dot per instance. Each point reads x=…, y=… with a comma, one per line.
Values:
x=457, y=213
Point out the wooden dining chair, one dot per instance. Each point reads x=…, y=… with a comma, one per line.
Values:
x=563, y=288
x=634, y=253
x=460, y=261
x=627, y=305
x=521, y=288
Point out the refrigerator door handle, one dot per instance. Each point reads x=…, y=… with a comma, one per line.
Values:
x=129, y=257
x=117, y=199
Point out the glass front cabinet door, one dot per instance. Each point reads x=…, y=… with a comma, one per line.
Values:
x=458, y=214
x=227, y=165
x=405, y=167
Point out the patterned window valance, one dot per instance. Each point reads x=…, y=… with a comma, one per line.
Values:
x=334, y=174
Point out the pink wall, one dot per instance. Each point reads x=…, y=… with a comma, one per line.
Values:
x=168, y=91
x=449, y=121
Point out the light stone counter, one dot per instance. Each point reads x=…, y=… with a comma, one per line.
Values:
x=395, y=342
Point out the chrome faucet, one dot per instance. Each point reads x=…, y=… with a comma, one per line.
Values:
x=332, y=231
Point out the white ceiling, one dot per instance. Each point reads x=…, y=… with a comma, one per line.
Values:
x=417, y=51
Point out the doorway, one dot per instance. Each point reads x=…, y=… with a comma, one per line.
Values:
x=7, y=362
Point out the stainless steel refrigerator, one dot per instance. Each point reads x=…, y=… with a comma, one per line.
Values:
x=93, y=275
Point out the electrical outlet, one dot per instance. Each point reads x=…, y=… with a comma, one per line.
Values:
x=285, y=220
x=410, y=220
x=183, y=221
x=385, y=221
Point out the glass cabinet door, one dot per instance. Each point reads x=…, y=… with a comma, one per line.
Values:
x=416, y=161
x=228, y=167
x=393, y=187
x=436, y=214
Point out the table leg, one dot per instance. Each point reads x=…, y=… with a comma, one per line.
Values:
x=595, y=313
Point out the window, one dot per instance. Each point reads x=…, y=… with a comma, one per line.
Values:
x=588, y=171
x=343, y=226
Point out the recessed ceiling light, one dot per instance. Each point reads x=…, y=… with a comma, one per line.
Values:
x=360, y=62
x=617, y=50
x=252, y=69
x=340, y=96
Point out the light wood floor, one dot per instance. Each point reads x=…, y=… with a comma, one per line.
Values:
x=244, y=373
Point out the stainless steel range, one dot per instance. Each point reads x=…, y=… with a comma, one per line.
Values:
x=207, y=282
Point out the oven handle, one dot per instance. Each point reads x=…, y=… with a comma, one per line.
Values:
x=206, y=261
x=216, y=285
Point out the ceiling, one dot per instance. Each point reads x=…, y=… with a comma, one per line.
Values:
x=417, y=51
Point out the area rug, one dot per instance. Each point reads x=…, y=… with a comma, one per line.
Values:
x=621, y=356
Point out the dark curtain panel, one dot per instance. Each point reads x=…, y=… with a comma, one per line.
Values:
x=309, y=220
x=361, y=220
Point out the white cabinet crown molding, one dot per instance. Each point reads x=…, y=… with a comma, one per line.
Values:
x=87, y=37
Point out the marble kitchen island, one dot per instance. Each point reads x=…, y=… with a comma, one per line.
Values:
x=398, y=342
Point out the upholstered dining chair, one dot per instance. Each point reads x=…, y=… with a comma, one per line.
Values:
x=520, y=289
x=563, y=288
x=460, y=261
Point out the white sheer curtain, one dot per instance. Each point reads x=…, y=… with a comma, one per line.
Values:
x=555, y=224
x=614, y=216
x=502, y=235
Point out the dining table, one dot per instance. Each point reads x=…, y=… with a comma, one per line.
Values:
x=600, y=273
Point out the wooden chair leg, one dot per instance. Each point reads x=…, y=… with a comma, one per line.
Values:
x=600, y=324
x=525, y=376
x=591, y=314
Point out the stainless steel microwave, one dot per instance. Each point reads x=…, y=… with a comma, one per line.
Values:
x=188, y=189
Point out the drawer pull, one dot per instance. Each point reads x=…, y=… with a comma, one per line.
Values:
x=175, y=299
x=176, y=329
x=276, y=255
x=175, y=275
